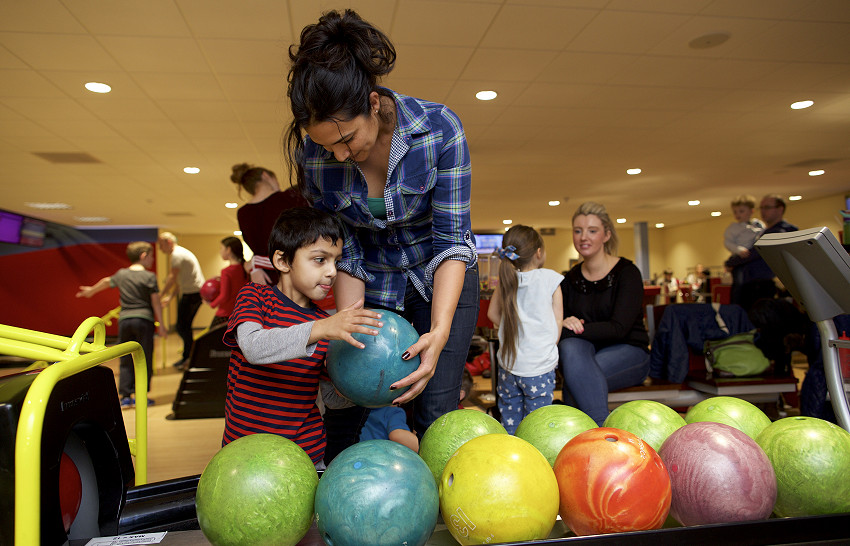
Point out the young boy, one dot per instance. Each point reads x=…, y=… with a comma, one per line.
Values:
x=280, y=337
x=138, y=293
x=740, y=236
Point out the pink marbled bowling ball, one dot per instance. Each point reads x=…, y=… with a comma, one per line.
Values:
x=718, y=475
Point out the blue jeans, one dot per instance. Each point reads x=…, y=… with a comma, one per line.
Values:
x=442, y=394
x=519, y=396
x=589, y=374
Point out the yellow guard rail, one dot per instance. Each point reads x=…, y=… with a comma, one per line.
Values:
x=69, y=360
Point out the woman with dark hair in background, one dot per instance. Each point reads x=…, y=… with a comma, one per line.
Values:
x=257, y=217
x=396, y=170
x=233, y=278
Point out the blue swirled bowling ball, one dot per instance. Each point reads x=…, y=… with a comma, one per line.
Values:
x=376, y=492
x=364, y=375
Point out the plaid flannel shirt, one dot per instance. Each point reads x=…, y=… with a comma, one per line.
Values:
x=427, y=196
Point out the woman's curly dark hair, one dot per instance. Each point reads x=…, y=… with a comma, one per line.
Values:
x=335, y=67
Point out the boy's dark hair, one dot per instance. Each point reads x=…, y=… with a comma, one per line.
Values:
x=136, y=249
x=299, y=227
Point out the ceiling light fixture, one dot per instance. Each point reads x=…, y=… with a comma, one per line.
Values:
x=49, y=206
x=693, y=202
x=507, y=222
x=799, y=105
x=237, y=233
x=659, y=225
x=507, y=228
x=97, y=87
x=554, y=203
x=191, y=170
x=621, y=220
x=794, y=197
x=715, y=213
x=633, y=171
x=816, y=173
x=486, y=95
x=231, y=205
x=707, y=41
x=91, y=219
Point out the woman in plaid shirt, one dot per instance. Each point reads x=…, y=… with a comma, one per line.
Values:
x=396, y=170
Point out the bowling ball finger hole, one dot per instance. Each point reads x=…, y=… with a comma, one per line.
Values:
x=611, y=439
x=328, y=540
x=451, y=479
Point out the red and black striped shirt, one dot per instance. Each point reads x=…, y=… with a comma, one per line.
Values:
x=277, y=398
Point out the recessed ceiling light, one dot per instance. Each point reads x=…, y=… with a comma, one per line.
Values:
x=715, y=213
x=237, y=233
x=632, y=171
x=693, y=202
x=554, y=203
x=816, y=173
x=794, y=197
x=97, y=87
x=486, y=95
x=659, y=225
x=507, y=222
x=191, y=170
x=48, y=206
x=91, y=219
x=799, y=105
x=708, y=41
x=621, y=220
x=231, y=205
x=507, y=228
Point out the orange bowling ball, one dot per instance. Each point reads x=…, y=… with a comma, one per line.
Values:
x=611, y=481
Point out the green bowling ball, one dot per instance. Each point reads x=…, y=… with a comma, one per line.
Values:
x=735, y=412
x=449, y=432
x=550, y=428
x=811, y=459
x=649, y=420
x=258, y=489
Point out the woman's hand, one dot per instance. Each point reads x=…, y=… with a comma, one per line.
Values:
x=428, y=348
x=575, y=325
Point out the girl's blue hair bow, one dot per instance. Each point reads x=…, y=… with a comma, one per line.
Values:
x=508, y=252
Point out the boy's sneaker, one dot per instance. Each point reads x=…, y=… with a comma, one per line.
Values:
x=127, y=403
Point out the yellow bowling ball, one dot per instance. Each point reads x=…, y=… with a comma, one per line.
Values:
x=498, y=488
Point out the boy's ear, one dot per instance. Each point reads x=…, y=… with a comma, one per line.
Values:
x=279, y=262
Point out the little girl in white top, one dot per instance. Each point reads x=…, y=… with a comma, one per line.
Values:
x=526, y=307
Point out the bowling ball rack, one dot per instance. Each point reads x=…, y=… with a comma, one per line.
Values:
x=42, y=410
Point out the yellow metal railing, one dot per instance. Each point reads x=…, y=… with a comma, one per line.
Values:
x=69, y=360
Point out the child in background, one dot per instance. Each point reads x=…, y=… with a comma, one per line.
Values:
x=741, y=234
x=527, y=308
x=280, y=337
x=233, y=278
x=389, y=423
x=141, y=309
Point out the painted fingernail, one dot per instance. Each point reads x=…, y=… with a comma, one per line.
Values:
x=381, y=324
x=393, y=387
x=406, y=355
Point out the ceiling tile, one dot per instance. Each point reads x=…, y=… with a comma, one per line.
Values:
x=58, y=51
x=147, y=18
x=442, y=23
x=552, y=28
x=142, y=54
x=508, y=65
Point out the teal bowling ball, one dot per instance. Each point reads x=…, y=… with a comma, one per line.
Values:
x=364, y=375
x=649, y=420
x=258, y=489
x=550, y=428
x=732, y=411
x=811, y=458
x=374, y=493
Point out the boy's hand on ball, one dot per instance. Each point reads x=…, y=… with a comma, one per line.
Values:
x=352, y=319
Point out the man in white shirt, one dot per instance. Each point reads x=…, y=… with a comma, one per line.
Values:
x=185, y=277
